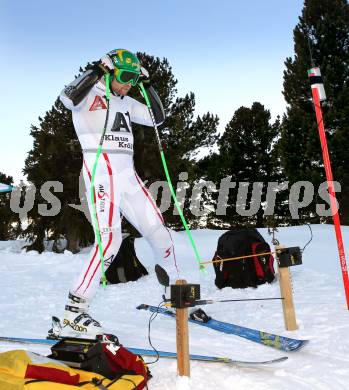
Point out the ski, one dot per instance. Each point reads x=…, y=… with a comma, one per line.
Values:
x=150, y=352
x=281, y=343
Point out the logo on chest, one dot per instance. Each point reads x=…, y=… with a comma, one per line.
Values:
x=98, y=104
x=121, y=123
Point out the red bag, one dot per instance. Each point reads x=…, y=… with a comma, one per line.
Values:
x=122, y=360
x=105, y=357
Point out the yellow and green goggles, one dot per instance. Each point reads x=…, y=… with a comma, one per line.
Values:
x=124, y=76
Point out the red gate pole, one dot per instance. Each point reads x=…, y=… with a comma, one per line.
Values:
x=319, y=95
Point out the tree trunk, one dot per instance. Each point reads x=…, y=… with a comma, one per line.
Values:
x=73, y=241
x=38, y=244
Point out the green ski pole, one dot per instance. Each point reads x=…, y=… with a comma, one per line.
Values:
x=168, y=178
x=94, y=209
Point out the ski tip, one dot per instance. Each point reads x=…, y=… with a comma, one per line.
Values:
x=300, y=345
x=279, y=360
x=261, y=363
x=143, y=306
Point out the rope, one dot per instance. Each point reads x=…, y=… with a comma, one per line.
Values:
x=239, y=258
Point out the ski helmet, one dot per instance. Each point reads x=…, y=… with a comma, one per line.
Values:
x=126, y=66
x=124, y=59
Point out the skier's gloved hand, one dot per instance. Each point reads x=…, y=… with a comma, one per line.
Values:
x=144, y=77
x=103, y=68
x=107, y=62
x=100, y=68
x=105, y=65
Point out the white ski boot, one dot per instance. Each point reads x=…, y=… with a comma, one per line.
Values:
x=77, y=322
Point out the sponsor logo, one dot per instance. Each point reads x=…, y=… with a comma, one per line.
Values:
x=167, y=253
x=98, y=104
x=69, y=90
x=111, y=137
x=106, y=230
x=76, y=327
x=122, y=142
x=101, y=192
x=120, y=122
x=102, y=195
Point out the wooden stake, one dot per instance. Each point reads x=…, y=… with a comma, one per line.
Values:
x=182, y=336
x=286, y=294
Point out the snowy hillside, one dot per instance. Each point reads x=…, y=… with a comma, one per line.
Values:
x=34, y=287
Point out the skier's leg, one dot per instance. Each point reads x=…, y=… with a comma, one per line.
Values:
x=141, y=211
x=107, y=200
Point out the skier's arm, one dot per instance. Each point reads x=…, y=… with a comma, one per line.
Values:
x=77, y=90
x=140, y=112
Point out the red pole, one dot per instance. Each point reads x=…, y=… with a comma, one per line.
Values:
x=333, y=200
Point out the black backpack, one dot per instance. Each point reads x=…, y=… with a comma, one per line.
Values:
x=243, y=273
x=125, y=267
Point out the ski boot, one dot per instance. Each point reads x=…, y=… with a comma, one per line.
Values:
x=77, y=323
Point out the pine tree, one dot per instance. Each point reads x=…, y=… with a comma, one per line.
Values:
x=246, y=154
x=182, y=136
x=56, y=156
x=323, y=28
x=9, y=222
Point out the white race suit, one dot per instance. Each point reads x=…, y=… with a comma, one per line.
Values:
x=117, y=187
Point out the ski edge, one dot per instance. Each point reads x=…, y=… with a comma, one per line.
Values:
x=162, y=354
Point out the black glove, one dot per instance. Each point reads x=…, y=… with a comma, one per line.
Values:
x=101, y=68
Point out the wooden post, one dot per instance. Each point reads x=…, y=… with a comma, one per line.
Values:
x=286, y=294
x=182, y=336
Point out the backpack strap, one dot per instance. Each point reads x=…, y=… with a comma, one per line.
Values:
x=36, y=381
x=259, y=269
x=98, y=383
x=271, y=265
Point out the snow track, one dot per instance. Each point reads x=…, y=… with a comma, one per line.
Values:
x=34, y=287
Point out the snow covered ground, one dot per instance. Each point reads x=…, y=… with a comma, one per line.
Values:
x=34, y=287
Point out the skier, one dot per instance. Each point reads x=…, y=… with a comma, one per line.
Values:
x=117, y=187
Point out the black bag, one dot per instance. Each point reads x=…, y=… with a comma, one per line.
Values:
x=104, y=356
x=243, y=273
x=125, y=267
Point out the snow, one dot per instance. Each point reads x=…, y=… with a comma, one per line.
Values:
x=34, y=287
